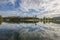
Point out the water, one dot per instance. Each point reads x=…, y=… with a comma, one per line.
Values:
x=30, y=31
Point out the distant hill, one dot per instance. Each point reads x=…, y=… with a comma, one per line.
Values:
x=56, y=18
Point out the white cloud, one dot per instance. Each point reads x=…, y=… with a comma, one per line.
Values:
x=45, y=7
x=50, y=6
x=8, y=13
x=12, y=1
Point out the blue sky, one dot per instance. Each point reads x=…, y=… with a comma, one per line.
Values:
x=29, y=7
x=9, y=6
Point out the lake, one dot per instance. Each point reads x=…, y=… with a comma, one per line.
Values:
x=29, y=31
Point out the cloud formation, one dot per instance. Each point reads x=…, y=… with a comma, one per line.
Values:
x=32, y=7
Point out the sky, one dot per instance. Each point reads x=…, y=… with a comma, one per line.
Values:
x=29, y=7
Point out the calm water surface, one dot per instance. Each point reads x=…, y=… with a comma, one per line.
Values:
x=29, y=31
